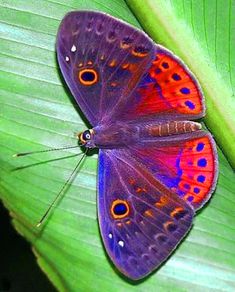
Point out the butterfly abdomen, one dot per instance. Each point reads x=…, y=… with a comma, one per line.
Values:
x=170, y=128
x=120, y=135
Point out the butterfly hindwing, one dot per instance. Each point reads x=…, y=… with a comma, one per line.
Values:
x=102, y=60
x=185, y=163
x=141, y=221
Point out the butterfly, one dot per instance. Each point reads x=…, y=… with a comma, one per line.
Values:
x=156, y=167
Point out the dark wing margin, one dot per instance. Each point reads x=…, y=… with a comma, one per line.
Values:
x=141, y=221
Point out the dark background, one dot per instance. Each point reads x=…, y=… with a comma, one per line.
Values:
x=18, y=267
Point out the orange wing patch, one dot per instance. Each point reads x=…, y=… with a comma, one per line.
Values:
x=198, y=169
x=169, y=87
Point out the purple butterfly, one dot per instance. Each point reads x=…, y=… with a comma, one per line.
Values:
x=156, y=167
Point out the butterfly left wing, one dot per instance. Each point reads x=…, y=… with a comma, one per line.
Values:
x=102, y=60
x=141, y=221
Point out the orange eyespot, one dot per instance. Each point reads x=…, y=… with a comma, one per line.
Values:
x=88, y=76
x=120, y=209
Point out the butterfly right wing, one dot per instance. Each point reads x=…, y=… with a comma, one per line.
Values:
x=141, y=221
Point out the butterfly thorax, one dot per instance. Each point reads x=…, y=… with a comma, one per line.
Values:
x=119, y=135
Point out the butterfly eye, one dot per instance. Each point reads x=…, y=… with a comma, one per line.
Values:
x=86, y=136
x=88, y=77
x=120, y=209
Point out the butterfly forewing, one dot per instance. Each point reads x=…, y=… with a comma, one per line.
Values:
x=102, y=60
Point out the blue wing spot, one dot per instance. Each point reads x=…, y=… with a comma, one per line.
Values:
x=202, y=162
x=187, y=186
x=185, y=90
x=165, y=65
x=189, y=104
x=190, y=198
x=196, y=190
x=201, y=178
x=158, y=71
x=176, y=77
x=200, y=147
x=120, y=209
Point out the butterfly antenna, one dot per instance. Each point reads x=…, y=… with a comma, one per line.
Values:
x=62, y=189
x=42, y=151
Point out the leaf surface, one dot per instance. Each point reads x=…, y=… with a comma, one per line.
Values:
x=37, y=112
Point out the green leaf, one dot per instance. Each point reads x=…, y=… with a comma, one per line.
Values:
x=38, y=112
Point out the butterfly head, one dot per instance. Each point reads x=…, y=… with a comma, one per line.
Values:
x=86, y=138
